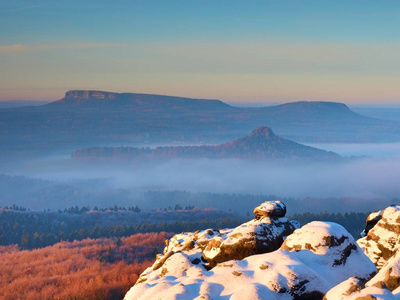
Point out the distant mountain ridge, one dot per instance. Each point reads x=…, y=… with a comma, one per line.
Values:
x=91, y=118
x=310, y=108
x=262, y=143
x=21, y=103
x=93, y=97
x=93, y=100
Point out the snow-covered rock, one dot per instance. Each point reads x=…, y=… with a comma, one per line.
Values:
x=332, y=247
x=381, y=244
x=308, y=264
x=389, y=273
x=192, y=243
x=371, y=221
x=382, y=240
x=354, y=289
x=272, y=209
x=344, y=289
x=263, y=234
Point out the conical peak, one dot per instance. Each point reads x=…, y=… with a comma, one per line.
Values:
x=264, y=132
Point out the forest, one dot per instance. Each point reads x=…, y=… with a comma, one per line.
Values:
x=31, y=230
x=90, y=269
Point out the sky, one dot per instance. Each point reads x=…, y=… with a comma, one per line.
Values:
x=237, y=51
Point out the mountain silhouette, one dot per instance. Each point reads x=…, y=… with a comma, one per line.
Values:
x=262, y=143
x=89, y=118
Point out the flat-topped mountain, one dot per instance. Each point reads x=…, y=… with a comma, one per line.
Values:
x=101, y=99
x=262, y=143
x=318, y=109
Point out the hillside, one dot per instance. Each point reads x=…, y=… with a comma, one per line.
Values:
x=262, y=143
x=101, y=269
x=91, y=118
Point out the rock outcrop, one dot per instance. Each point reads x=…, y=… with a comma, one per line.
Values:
x=389, y=273
x=210, y=264
x=381, y=244
x=383, y=239
x=329, y=240
x=263, y=234
x=355, y=289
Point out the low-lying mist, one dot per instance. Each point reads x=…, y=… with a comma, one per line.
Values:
x=366, y=179
x=354, y=178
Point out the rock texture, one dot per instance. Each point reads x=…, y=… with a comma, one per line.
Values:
x=263, y=234
x=380, y=243
x=389, y=274
x=382, y=240
x=354, y=289
x=208, y=264
x=330, y=240
x=271, y=209
x=371, y=221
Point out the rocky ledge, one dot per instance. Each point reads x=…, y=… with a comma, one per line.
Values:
x=270, y=257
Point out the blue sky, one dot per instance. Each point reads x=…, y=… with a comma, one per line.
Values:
x=256, y=51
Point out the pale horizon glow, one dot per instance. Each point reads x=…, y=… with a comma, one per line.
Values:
x=264, y=52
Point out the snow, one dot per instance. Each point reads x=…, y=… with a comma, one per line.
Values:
x=265, y=276
x=381, y=244
x=392, y=268
x=341, y=291
x=313, y=235
x=256, y=236
x=374, y=215
x=383, y=237
x=213, y=252
x=353, y=289
x=320, y=258
x=271, y=209
x=378, y=293
x=270, y=206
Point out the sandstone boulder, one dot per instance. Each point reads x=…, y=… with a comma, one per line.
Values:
x=389, y=273
x=382, y=240
x=270, y=209
x=264, y=234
